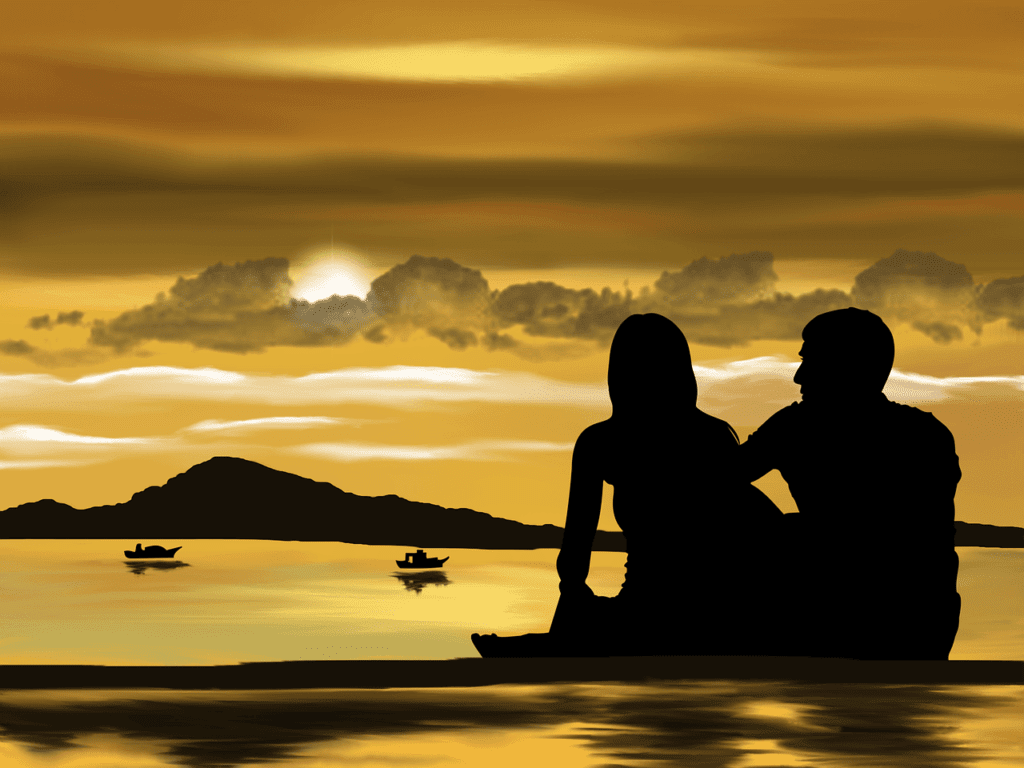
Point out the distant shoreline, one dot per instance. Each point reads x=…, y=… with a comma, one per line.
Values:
x=967, y=535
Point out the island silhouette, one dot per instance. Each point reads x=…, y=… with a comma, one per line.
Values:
x=233, y=498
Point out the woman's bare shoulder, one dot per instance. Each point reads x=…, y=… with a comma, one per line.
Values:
x=595, y=434
x=594, y=440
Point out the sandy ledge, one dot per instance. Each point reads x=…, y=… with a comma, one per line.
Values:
x=482, y=672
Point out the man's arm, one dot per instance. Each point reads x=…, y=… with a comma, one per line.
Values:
x=752, y=463
x=762, y=451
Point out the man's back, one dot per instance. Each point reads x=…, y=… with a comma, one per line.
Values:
x=878, y=471
x=872, y=549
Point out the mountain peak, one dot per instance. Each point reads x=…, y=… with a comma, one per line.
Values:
x=229, y=465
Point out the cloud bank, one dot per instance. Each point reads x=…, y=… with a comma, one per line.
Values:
x=725, y=302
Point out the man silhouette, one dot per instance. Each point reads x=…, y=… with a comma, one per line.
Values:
x=869, y=569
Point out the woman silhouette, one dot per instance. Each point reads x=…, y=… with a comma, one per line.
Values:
x=695, y=537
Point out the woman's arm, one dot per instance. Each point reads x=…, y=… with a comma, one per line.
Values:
x=584, y=511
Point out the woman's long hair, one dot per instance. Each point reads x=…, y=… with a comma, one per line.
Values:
x=649, y=369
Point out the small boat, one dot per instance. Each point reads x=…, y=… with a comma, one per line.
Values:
x=154, y=550
x=419, y=559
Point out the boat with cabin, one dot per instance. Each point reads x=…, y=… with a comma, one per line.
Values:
x=419, y=559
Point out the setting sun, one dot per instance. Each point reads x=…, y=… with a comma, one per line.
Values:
x=329, y=272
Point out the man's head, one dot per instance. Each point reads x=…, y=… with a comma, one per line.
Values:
x=847, y=354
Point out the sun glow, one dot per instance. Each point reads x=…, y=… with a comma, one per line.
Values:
x=327, y=272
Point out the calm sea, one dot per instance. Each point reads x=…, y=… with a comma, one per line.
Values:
x=82, y=602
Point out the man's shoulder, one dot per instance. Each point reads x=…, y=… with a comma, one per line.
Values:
x=788, y=417
x=911, y=418
x=913, y=415
x=780, y=429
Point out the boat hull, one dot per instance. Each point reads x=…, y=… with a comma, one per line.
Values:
x=149, y=553
x=430, y=562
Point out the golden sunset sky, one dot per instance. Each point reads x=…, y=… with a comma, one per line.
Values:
x=183, y=186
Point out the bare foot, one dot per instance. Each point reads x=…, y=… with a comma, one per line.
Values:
x=484, y=644
x=532, y=645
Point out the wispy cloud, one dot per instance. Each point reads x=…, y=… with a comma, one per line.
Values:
x=393, y=386
x=38, y=463
x=916, y=388
x=747, y=392
x=481, y=450
x=216, y=426
x=31, y=446
x=31, y=434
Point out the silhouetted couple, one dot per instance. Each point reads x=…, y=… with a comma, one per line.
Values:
x=866, y=569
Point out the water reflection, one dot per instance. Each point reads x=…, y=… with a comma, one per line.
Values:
x=140, y=568
x=417, y=581
x=709, y=724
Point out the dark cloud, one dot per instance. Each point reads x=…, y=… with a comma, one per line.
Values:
x=63, y=318
x=254, y=284
x=494, y=341
x=450, y=301
x=940, y=332
x=235, y=308
x=722, y=302
x=1004, y=299
x=781, y=317
x=50, y=358
x=548, y=309
x=426, y=287
x=12, y=347
x=337, y=316
x=376, y=334
x=900, y=278
x=454, y=337
x=735, y=278
x=933, y=294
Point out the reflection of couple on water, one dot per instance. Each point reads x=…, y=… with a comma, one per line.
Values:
x=866, y=569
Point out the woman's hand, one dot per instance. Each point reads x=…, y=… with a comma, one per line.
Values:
x=575, y=589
